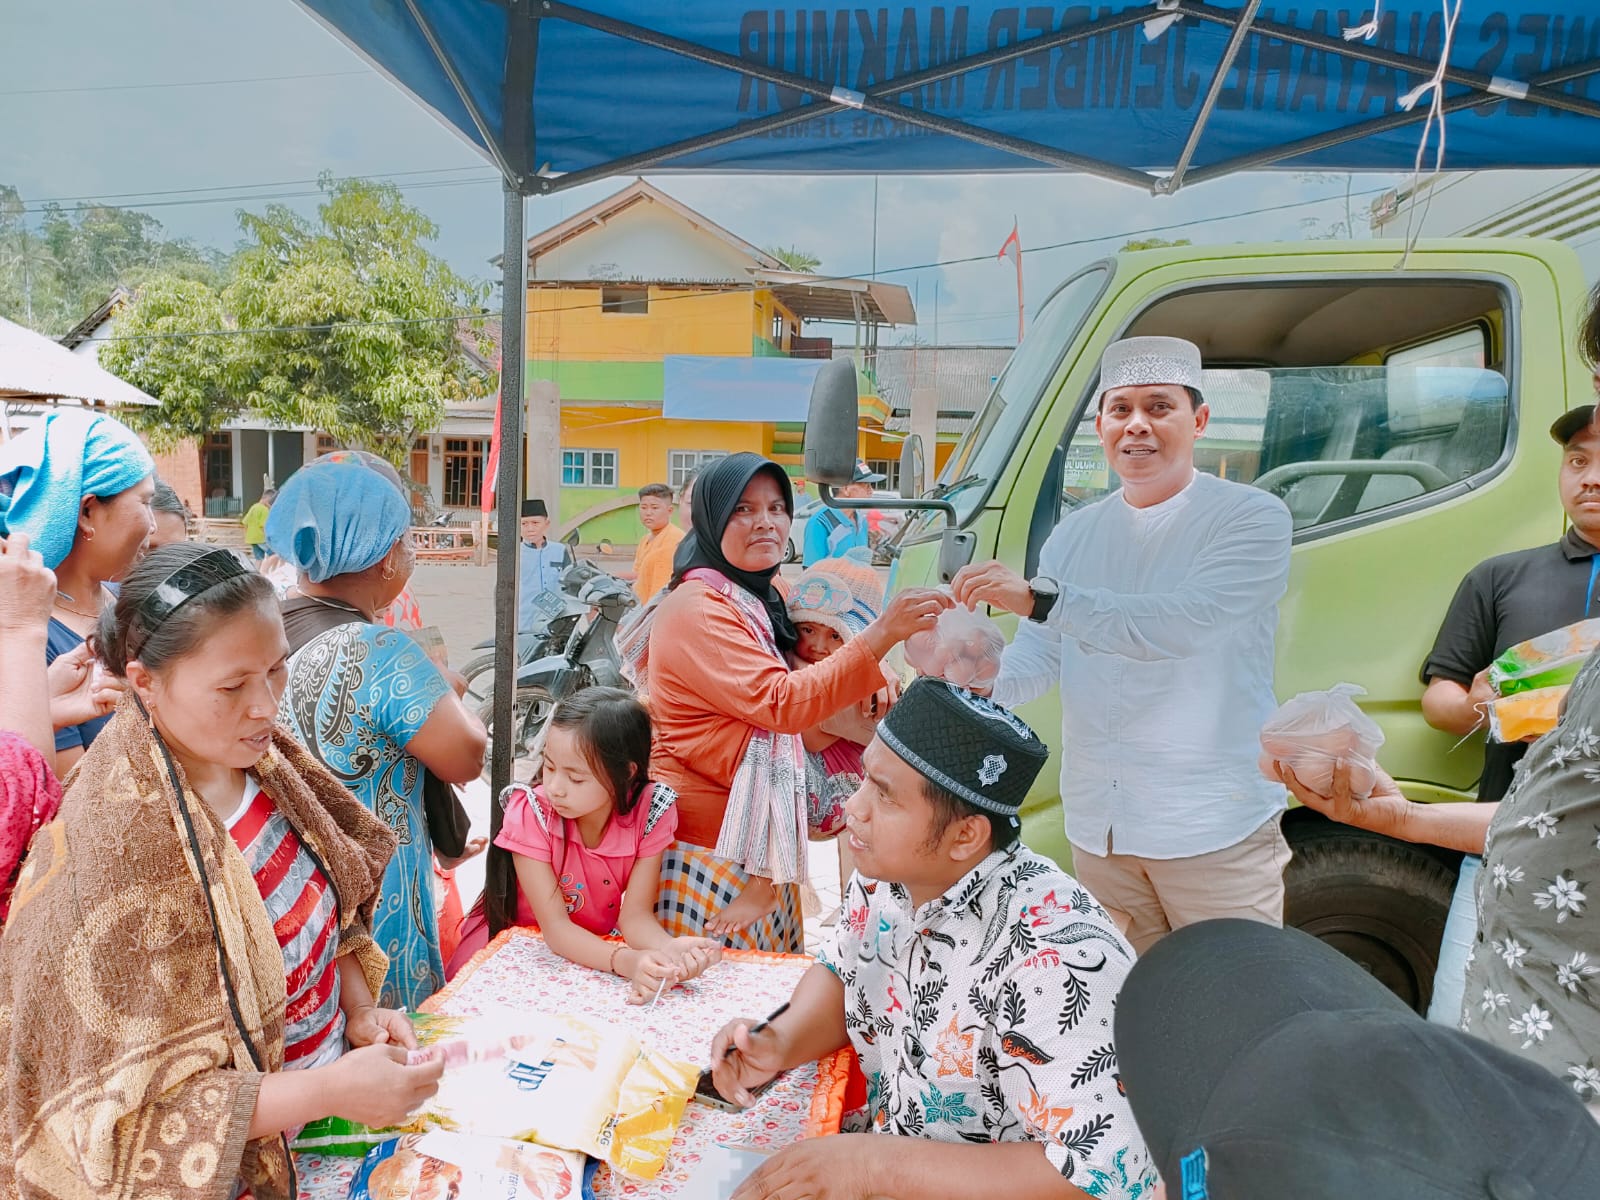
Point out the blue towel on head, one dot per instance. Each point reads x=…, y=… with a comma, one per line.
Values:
x=336, y=518
x=47, y=471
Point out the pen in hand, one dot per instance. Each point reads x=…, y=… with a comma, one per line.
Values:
x=760, y=1025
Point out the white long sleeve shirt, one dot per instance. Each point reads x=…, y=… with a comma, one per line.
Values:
x=1162, y=643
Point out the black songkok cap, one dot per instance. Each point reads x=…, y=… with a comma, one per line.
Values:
x=966, y=744
x=534, y=508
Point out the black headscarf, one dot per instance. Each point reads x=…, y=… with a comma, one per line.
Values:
x=716, y=491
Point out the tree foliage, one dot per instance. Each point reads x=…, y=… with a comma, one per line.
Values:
x=197, y=379
x=360, y=320
x=58, y=269
x=346, y=324
x=795, y=259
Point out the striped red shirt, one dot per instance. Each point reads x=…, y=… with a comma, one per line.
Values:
x=305, y=916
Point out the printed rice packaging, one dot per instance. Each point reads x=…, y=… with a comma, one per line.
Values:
x=565, y=1082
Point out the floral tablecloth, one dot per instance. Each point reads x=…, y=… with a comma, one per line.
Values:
x=517, y=970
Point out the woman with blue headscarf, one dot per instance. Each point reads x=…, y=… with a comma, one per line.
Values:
x=79, y=484
x=368, y=700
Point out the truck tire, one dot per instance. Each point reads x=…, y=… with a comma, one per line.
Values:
x=1379, y=902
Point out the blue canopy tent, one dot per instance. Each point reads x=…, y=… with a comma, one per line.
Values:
x=1153, y=93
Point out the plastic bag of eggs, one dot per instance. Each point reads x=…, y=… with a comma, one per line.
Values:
x=964, y=648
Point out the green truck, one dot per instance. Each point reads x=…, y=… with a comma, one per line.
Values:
x=1400, y=410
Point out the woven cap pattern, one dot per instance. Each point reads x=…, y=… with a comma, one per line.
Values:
x=966, y=744
x=1142, y=361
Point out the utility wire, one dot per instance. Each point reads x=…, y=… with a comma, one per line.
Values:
x=714, y=290
x=419, y=185
x=143, y=87
x=96, y=200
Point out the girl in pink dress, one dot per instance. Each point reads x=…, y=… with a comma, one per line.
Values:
x=585, y=845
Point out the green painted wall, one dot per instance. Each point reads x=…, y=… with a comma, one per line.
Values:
x=761, y=347
x=600, y=382
x=621, y=526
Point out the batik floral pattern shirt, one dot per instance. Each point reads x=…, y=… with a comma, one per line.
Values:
x=1533, y=978
x=985, y=1016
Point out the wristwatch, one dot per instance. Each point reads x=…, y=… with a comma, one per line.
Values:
x=1045, y=592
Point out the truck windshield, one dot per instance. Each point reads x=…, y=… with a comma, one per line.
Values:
x=983, y=453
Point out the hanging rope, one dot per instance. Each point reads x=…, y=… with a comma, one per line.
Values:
x=1363, y=33
x=1434, y=85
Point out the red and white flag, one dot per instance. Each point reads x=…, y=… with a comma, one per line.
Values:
x=1012, y=248
x=491, y=466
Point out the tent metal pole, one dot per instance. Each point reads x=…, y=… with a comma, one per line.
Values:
x=1241, y=30
x=1378, y=56
x=508, y=490
x=495, y=150
x=1353, y=133
x=829, y=101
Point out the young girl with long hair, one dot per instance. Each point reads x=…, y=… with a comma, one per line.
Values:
x=586, y=845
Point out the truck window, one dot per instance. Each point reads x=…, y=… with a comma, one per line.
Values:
x=984, y=451
x=1341, y=429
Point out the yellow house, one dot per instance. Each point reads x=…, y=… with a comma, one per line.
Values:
x=641, y=311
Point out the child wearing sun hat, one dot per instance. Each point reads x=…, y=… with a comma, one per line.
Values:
x=832, y=602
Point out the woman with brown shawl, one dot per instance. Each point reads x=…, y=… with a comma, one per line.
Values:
x=194, y=924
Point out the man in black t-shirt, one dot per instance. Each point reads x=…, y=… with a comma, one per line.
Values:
x=1501, y=602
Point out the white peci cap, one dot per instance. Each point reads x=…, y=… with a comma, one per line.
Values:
x=1142, y=361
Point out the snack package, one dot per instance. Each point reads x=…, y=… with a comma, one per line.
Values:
x=443, y=1166
x=1526, y=714
x=964, y=647
x=561, y=1081
x=1315, y=732
x=1549, y=660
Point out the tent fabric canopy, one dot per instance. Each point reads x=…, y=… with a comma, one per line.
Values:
x=32, y=367
x=1128, y=90
x=1151, y=93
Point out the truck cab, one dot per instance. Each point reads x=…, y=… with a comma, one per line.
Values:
x=1399, y=406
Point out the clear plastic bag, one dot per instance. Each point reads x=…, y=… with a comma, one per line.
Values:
x=1315, y=732
x=963, y=648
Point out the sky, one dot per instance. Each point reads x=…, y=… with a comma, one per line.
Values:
x=192, y=109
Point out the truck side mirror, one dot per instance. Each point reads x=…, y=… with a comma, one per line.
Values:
x=831, y=424
x=912, y=483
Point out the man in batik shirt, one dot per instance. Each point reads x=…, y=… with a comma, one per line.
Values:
x=975, y=980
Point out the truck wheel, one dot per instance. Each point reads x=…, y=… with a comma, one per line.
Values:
x=1379, y=902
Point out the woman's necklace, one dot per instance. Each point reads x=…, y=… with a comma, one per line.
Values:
x=341, y=605
x=77, y=612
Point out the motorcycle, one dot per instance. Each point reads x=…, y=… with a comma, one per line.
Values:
x=587, y=657
x=555, y=614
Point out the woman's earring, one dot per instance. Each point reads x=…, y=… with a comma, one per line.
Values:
x=388, y=570
x=88, y=533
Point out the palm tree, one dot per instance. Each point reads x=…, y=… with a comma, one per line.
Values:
x=795, y=259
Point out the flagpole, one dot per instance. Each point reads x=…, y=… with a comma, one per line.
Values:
x=1019, y=279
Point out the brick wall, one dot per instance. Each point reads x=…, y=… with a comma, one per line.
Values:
x=179, y=468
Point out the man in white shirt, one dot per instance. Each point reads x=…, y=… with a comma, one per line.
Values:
x=1155, y=611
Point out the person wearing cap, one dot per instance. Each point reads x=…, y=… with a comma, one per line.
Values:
x=834, y=532
x=540, y=561
x=1503, y=601
x=975, y=981
x=1155, y=611
x=1250, y=1087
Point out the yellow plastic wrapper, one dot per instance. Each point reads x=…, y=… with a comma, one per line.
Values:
x=1525, y=714
x=570, y=1083
x=559, y=1081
